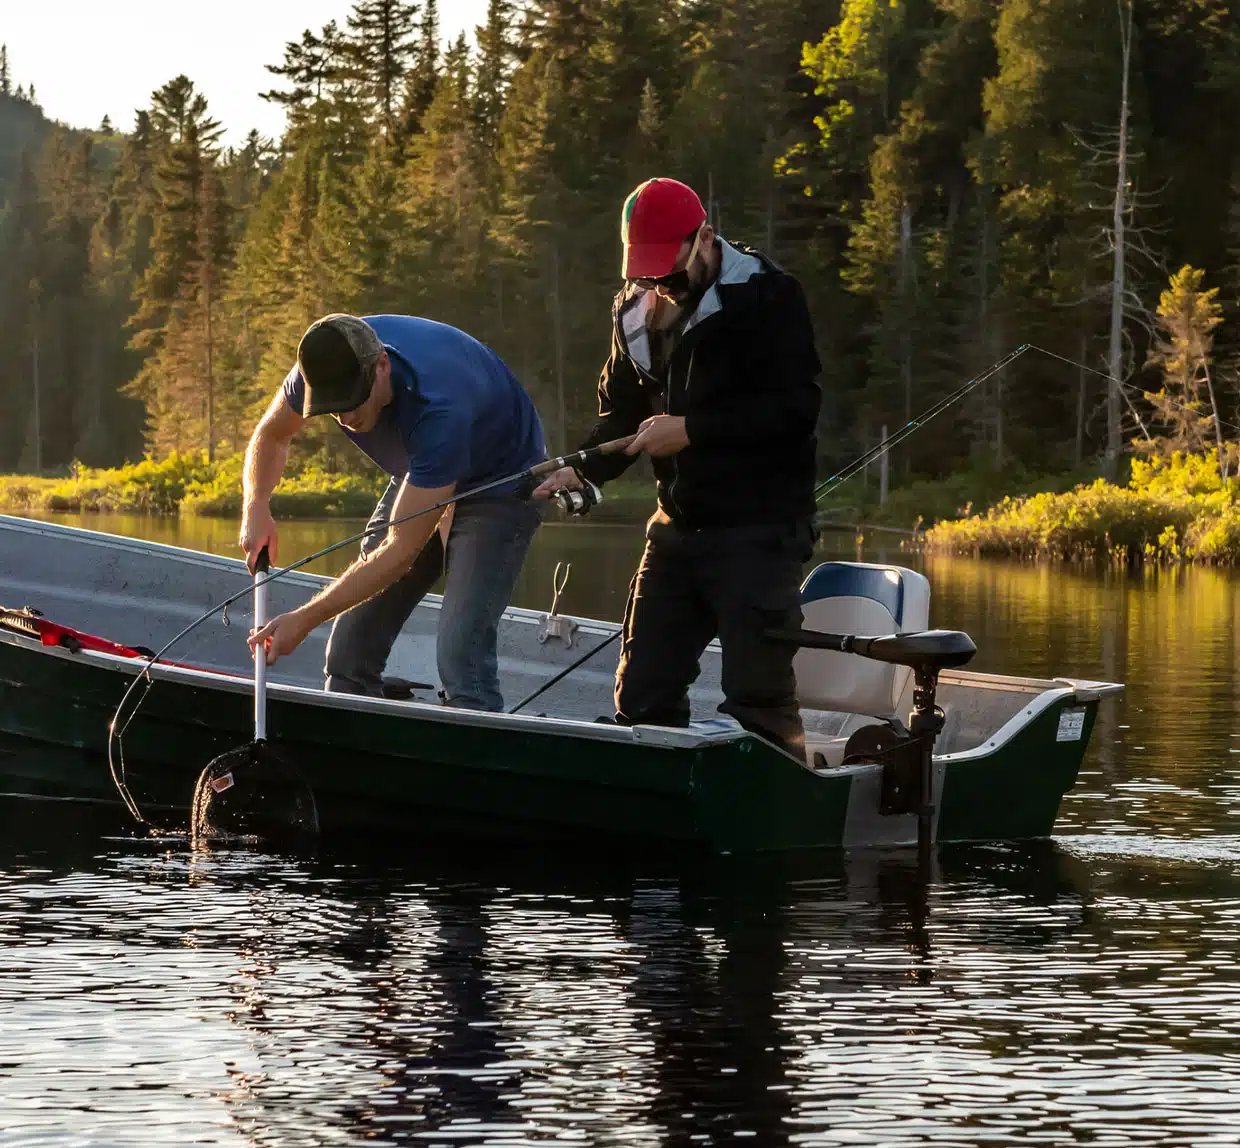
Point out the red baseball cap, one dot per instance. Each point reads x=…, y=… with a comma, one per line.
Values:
x=657, y=217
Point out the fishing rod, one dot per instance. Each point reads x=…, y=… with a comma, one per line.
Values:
x=829, y=484
x=116, y=729
x=823, y=489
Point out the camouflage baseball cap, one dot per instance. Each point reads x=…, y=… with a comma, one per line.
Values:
x=336, y=357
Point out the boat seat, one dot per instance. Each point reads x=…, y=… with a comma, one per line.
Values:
x=866, y=599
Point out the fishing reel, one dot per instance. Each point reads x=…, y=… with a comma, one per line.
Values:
x=575, y=503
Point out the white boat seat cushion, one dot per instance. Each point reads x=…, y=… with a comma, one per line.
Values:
x=866, y=599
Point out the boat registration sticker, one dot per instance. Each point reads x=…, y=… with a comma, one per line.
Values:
x=1071, y=725
x=225, y=781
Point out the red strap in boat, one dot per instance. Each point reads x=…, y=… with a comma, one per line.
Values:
x=53, y=634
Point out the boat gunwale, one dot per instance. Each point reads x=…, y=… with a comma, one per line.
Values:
x=595, y=626
x=1044, y=692
x=662, y=737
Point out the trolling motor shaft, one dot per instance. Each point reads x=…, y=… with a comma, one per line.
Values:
x=925, y=723
x=907, y=756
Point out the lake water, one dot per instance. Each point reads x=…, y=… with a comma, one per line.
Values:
x=418, y=991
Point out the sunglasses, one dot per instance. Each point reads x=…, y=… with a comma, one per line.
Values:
x=674, y=282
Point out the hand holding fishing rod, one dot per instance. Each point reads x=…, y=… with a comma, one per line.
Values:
x=122, y=716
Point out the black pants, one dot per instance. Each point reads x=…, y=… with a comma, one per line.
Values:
x=694, y=585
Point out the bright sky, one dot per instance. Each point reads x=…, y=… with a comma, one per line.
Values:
x=88, y=58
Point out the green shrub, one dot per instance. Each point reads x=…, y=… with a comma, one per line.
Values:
x=145, y=487
x=188, y=484
x=1173, y=509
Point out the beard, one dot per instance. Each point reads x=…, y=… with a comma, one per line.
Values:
x=688, y=302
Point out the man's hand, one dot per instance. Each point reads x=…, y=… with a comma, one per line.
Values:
x=258, y=529
x=660, y=436
x=282, y=635
x=565, y=478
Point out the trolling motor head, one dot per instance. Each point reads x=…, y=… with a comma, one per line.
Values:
x=906, y=756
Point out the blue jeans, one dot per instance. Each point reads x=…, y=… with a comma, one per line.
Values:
x=486, y=548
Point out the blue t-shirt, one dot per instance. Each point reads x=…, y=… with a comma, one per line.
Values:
x=457, y=415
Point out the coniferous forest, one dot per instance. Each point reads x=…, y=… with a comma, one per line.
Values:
x=949, y=179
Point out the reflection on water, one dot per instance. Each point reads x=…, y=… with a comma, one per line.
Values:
x=442, y=996
x=1085, y=991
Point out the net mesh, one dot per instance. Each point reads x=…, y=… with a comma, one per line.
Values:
x=253, y=793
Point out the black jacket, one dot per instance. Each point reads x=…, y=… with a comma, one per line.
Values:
x=744, y=375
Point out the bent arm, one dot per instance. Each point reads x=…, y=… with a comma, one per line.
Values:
x=384, y=565
x=267, y=453
x=623, y=405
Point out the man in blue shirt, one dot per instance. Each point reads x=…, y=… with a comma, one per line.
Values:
x=441, y=413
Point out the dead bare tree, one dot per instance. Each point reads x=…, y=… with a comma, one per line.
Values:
x=1119, y=217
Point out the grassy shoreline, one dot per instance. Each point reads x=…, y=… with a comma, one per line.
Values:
x=187, y=484
x=1172, y=510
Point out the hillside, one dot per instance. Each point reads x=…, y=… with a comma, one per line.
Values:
x=23, y=126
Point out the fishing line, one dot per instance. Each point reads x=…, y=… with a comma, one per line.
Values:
x=1125, y=388
x=828, y=485
x=116, y=728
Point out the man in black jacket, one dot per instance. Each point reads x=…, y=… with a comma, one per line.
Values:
x=713, y=364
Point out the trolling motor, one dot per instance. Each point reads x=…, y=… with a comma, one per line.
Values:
x=907, y=756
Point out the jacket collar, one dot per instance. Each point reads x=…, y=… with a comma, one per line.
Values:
x=633, y=304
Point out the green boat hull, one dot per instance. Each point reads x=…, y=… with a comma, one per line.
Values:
x=406, y=766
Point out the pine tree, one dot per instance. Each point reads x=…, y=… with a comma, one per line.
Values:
x=646, y=154
x=68, y=307
x=120, y=253
x=424, y=76
x=325, y=97
x=5, y=84
x=1058, y=83
x=860, y=68
x=494, y=69
x=21, y=321
x=555, y=224
x=179, y=293
x=380, y=47
x=309, y=64
x=448, y=210
x=1227, y=343
x=1186, y=404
